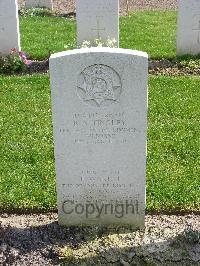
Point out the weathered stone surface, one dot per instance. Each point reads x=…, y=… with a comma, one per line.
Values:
x=99, y=98
x=9, y=26
x=39, y=3
x=188, y=32
x=97, y=19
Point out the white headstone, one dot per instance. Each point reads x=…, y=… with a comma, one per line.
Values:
x=188, y=32
x=39, y=3
x=99, y=98
x=9, y=26
x=97, y=19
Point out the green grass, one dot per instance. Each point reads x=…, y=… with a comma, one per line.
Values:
x=173, y=144
x=42, y=36
x=27, y=161
x=150, y=31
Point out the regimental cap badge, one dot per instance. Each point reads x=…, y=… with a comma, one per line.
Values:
x=99, y=85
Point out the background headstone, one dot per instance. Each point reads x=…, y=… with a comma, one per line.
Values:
x=188, y=32
x=99, y=98
x=9, y=26
x=97, y=19
x=39, y=3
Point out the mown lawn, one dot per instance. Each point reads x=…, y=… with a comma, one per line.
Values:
x=27, y=161
x=151, y=31
x=42, y=36
x=26, y=145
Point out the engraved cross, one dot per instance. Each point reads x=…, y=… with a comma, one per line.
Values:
x=98, y=28
x=198, y=29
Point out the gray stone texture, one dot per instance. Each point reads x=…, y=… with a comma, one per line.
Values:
x=9, y=26
x=188, y=31
x=99, y=99
x=97, y=20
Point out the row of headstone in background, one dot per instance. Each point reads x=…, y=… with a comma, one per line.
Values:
x=39, y=3
x=9, y=22
x=101, y=22
x=99, y=104
x=188, y=32
x=99, y=99
x=9, y=26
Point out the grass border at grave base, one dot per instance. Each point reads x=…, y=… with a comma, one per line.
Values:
x=27, y=161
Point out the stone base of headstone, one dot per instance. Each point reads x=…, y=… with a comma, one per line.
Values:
x=99, y=104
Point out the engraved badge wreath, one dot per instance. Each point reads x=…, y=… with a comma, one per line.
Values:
x=99, y=85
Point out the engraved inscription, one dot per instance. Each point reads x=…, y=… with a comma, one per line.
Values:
x=99, y=182
x=99, y=85
x=97, y=128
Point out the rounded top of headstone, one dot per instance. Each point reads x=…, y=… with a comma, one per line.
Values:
x=100, y=50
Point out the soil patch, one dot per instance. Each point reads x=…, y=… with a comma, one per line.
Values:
x=156, y=67
x=39, y=240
